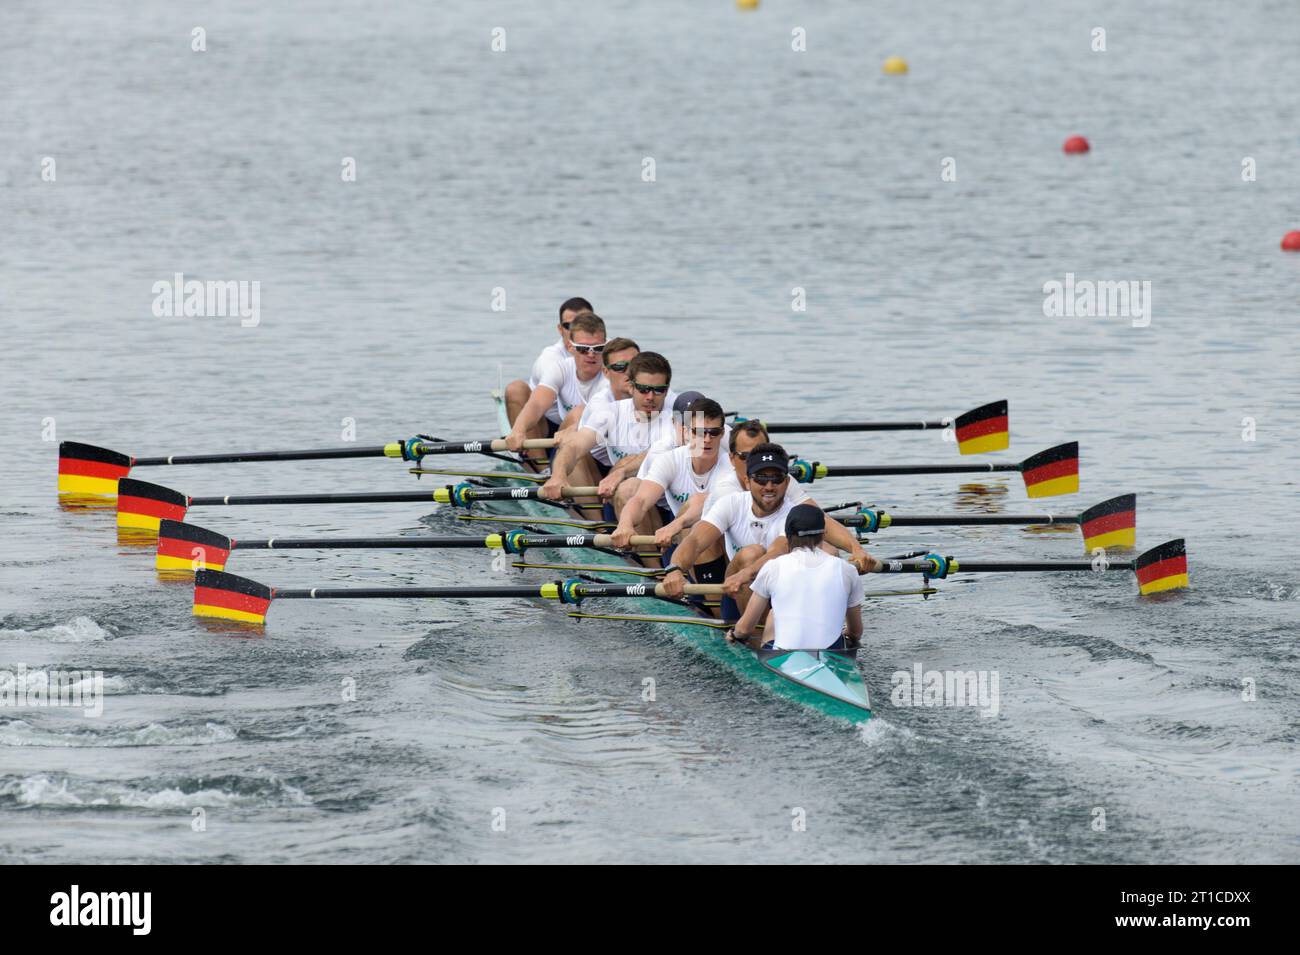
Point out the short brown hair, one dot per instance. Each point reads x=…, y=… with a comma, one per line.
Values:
x=753, y=428
x=650, y=363
x=588, y=322
x=618, y=344
x=575, y=304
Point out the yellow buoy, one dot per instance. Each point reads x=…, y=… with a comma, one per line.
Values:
x=746, y=4
x=894, y=66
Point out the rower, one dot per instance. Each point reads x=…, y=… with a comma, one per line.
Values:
x=618, y=354
x=750, y=522
x=518, y=392
x=565, y=385
x=687, y=476
x=745, y=437
x=815, y=598
x=610, y=444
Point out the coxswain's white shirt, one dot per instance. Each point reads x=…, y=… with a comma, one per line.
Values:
x=570, y=391
x=620, y=433
x=810, y=591
x=674, y=471
x=733, y=514
x=551, y=357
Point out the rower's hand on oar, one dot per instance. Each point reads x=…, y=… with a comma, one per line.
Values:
x=674, y=584
x=622, y=537
x=732, y=585
x=863, y=561
x=664, y=536
x=608, y=485
x=515, y=441
x=552, y=490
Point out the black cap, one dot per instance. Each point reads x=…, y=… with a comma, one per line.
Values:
x=684, y=401
x=804, y=520
x=767, y=456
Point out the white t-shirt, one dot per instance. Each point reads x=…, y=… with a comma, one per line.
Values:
x=810, y=591
x=570, y=391
x=733, y=514
x=674, y=471
x=551, y=357
x=620, y=433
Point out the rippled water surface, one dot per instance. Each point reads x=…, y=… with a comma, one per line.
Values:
x=522, y=171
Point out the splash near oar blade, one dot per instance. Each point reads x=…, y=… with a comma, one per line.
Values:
x=88, y=473
x=1162, y=568
x=185, y=548
x=1052, y=472
x=984, y=429
x=1111, y=525
x=228, y=597
x=141, y=505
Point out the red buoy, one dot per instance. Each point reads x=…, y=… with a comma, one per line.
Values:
x=1076, y=144
x=1291, y=241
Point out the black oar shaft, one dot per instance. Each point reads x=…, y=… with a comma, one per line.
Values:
x=977, y=520
x=321, y=593
x=311, y=454
x=366, y=543
x=855, y=470
x=371, y=497
x=1007, y=566
x=824, y=427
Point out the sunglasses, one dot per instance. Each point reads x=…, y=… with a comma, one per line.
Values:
x=767, y=480
x=619, y=366
x=708, y=432
x=589, y=349
x=566, y=325
x=647, y=389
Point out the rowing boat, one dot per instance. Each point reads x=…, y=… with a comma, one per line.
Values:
x=826, y=681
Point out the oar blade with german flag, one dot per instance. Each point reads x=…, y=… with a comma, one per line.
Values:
x=141, y=506
x=1162, y=568
x=229, y=597
x=1052, y=472
x=88, y=474
x=187, y=548
x=983, y=429
x=1110, y=525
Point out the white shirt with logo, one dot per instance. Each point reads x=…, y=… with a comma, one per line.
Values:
x=547, y=362
x=733, y=514
x=570, y=391
x=674, y=471
x=810, y=592
x=621, y=433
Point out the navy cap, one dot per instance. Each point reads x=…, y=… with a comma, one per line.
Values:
x=804, y=520
x=684, y=401
x=766, y=456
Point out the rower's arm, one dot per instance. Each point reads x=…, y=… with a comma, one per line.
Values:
x=628, y=466
x=572, y=446
x=702, y=536
x=754, y=610
x=635, y=509
x=690, y=514
x=530, y=414
x=853, y=620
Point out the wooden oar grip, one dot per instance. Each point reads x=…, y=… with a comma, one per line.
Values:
x=499, y=444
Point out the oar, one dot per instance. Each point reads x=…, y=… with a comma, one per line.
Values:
x=218, y=594
x=1047, y=473
x=1158, y=569
x=141, y=505
x=1109, y=525
x=88, y=472
x=981, y=429
x=183, y=546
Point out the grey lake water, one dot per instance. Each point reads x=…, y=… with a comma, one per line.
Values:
x=1128, y=730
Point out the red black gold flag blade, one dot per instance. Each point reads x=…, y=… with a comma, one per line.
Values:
x=1052, y=472
x=1162, y=568
x=187, y=548
x=223, y=595
x=1111, y=525
x=88, y=473
x=984, y=429
x=141, y=505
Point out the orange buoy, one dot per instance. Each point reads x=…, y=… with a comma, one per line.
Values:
x=1291, y=241
x=1076, y=144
